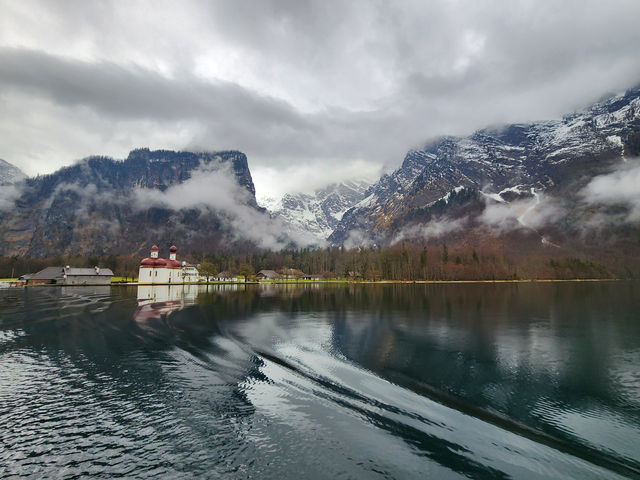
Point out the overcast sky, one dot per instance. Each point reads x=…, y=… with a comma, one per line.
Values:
x=311, y=91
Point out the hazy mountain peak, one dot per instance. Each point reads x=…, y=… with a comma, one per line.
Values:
x=9, y=173
x=317, y=212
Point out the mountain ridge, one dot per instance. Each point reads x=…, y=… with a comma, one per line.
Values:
x=9, y=173
x=557, y=157
x=102, y=205
x=540, y=180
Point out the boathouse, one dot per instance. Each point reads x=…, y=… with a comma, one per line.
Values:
x=69, y=276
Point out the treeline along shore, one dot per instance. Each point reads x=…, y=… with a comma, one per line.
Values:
x=402, y=262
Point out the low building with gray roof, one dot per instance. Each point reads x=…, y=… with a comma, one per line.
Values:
x=69, y=276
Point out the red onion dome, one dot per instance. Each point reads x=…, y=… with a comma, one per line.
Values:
x=153, y=262
x=147, y=262
x=173, y=249
x=172, y=264
x=154, y=248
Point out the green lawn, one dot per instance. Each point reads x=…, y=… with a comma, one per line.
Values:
x=123, y=279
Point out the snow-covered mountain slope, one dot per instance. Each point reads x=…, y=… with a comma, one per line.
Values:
x=10, y=173
x=557, y=157
x=319, y=212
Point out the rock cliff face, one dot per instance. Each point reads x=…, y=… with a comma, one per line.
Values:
x=10, y=173
x=101, y=205
x=317, y=213
x=496, y=167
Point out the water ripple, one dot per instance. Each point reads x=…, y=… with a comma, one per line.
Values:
x=224, y=388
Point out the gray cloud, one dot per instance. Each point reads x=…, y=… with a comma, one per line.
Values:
x=500, y=216
x=136, y=93
x=620, y=187
x=434, y=229
x=9, y=193
x=531, y=213
x=358, y=238
x=214, y=188
x=320, y=84
x=299, y=179
x=230, y=113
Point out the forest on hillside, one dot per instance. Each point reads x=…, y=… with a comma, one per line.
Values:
x=405, y=261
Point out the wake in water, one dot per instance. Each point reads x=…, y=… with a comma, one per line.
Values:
x=435, y=425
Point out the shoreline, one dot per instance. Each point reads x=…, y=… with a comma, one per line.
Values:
x=10, y=285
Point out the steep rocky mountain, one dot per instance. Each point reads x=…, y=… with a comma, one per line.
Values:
x=10, y=173
x=101, y=205
x=318, y=213
x=522, y=169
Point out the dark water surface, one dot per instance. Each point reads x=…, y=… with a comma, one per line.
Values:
x=342, y=381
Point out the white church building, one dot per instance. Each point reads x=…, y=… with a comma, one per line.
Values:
x=154, y=270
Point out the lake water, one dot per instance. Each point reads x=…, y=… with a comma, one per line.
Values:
x=321, y=381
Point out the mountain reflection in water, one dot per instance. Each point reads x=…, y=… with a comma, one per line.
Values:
x=322, y=381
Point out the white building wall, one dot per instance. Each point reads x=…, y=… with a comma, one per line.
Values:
x=163, y=276
x=145, y=275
